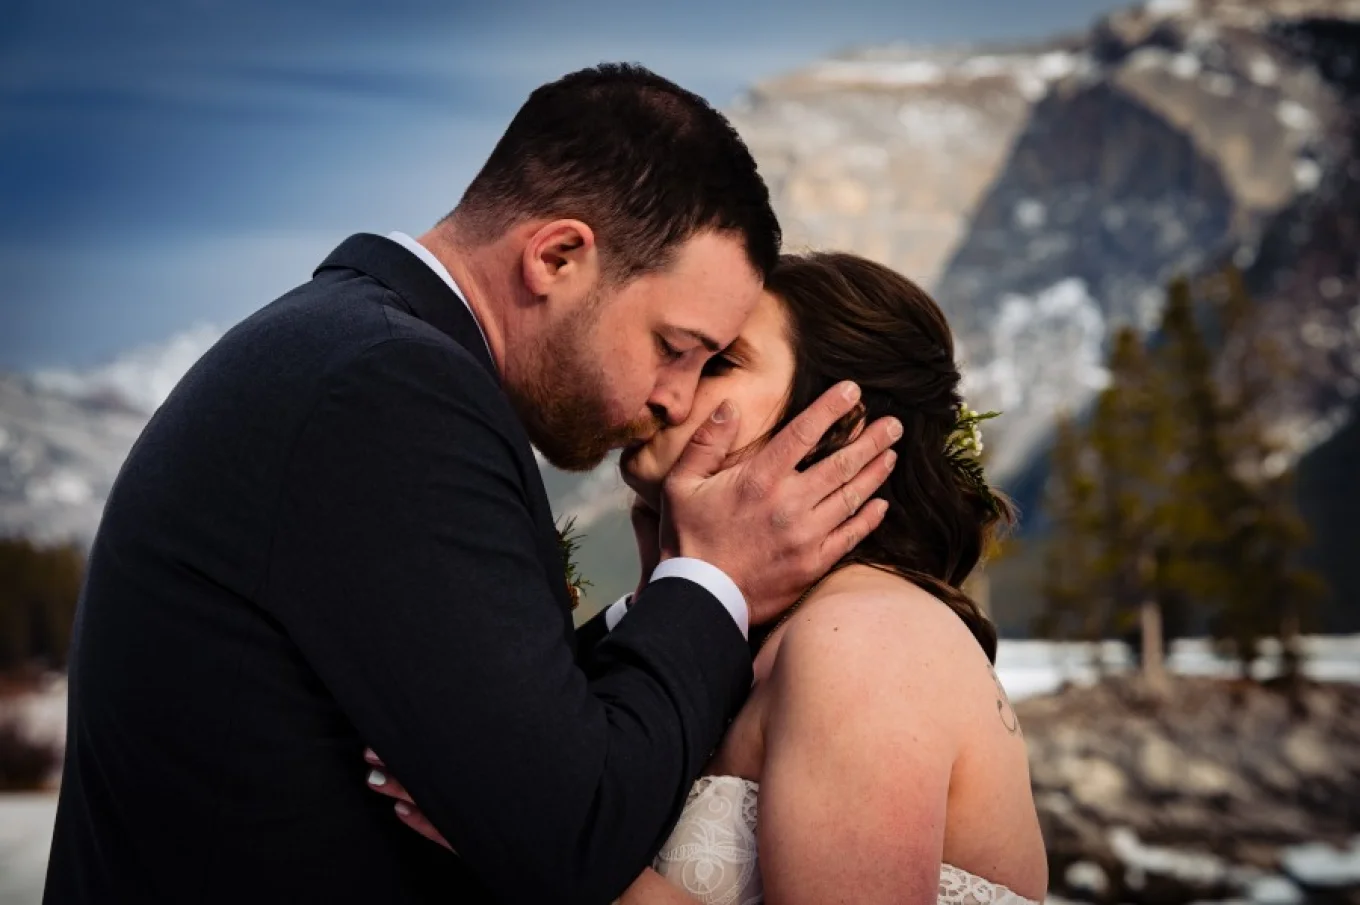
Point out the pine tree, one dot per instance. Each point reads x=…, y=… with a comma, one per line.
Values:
x=1133, y=438
x=1208, y=511
x=38, y=592
x=1074, y=609
x=1175, y=495
x=1275, y=594
x=1233, y=528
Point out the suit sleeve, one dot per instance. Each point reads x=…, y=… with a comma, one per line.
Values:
x=588, y=634
x=404, y=569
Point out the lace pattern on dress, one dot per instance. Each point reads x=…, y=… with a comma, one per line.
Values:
x=959, y=887
x=712, y=853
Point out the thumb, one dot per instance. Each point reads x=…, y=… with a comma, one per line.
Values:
x=703, y=456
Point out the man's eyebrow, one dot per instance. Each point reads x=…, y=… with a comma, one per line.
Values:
x=703, y=339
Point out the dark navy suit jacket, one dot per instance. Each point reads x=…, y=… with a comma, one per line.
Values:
x=333, y=534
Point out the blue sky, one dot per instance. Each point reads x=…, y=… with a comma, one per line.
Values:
x=165, y=164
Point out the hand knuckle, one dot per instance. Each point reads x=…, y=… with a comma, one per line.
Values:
x=751, y=488
x=702, y=437
x=845, y=465
x=804, y=432
x=781, y=518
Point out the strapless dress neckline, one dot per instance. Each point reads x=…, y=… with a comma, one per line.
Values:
x=712, y=852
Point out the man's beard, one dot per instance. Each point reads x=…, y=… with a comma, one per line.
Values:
x=561, y=400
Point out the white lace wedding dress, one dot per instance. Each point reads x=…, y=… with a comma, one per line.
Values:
x=712, y=852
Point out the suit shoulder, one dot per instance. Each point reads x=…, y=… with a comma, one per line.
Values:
x=421, y=353
x=407, y=332
x=336, y=322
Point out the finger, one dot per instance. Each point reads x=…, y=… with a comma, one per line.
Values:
x=383, y=784
x=846, y=465
x=857, y=528
x=372, y=758
x=792, y=444
x=417, y=821
x=704, y=454
x=847, y=499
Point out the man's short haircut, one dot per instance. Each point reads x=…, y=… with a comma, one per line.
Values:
x=646, y=164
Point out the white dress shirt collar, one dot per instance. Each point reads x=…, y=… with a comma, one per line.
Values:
x=420, y=251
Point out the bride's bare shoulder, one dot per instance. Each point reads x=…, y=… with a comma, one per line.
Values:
x=869, y=632
x=872, y=610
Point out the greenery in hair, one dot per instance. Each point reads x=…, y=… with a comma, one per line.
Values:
x=963, y=450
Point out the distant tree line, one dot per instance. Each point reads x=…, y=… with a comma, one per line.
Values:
x=38, y=591
x=1172, y=501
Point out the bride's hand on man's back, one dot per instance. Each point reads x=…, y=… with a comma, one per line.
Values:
x=772, y=529
x=382, y=782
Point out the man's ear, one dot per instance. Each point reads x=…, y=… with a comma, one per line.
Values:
x=561, y=257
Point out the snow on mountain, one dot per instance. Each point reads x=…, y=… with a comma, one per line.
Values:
x=141, y=378
x=64, y=435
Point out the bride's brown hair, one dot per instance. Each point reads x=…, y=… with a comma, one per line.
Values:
x=852, y=319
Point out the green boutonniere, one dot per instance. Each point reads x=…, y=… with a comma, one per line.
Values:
x=569, y=541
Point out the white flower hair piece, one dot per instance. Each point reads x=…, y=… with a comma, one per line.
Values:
x=964, y=449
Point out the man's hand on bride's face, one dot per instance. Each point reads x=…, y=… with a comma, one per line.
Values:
x=382, y=782
x=772, y=529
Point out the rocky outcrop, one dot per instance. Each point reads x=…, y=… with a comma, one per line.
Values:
x=1206, y=790
x=1046, y=193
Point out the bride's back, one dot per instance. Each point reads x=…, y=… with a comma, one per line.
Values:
x=911, y=685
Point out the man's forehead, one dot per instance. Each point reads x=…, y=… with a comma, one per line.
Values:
x=703, y=339
x=711, y=319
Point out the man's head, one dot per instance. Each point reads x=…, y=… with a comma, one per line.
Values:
x=627, y=235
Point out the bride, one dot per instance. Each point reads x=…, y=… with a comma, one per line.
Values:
x=877, y=758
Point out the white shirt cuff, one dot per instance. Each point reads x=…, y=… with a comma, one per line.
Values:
x=713, y=580
x=617, y=610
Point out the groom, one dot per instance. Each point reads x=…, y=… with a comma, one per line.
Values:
x=333, y=534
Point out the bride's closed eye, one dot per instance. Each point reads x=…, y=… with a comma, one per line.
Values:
x=718, y=365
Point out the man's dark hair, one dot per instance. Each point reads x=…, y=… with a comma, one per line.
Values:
x=645, y=163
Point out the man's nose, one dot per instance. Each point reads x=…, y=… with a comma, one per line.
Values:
x=672, y=402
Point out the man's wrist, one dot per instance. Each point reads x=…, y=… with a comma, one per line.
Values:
x=711, y=579
x=705, y=575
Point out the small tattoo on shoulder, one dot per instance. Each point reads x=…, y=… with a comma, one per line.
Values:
x=1003, y=705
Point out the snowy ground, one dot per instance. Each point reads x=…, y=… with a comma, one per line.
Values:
x=1027, y=668
x=25, y=837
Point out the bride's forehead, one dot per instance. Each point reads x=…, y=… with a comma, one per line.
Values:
x=768, y=322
